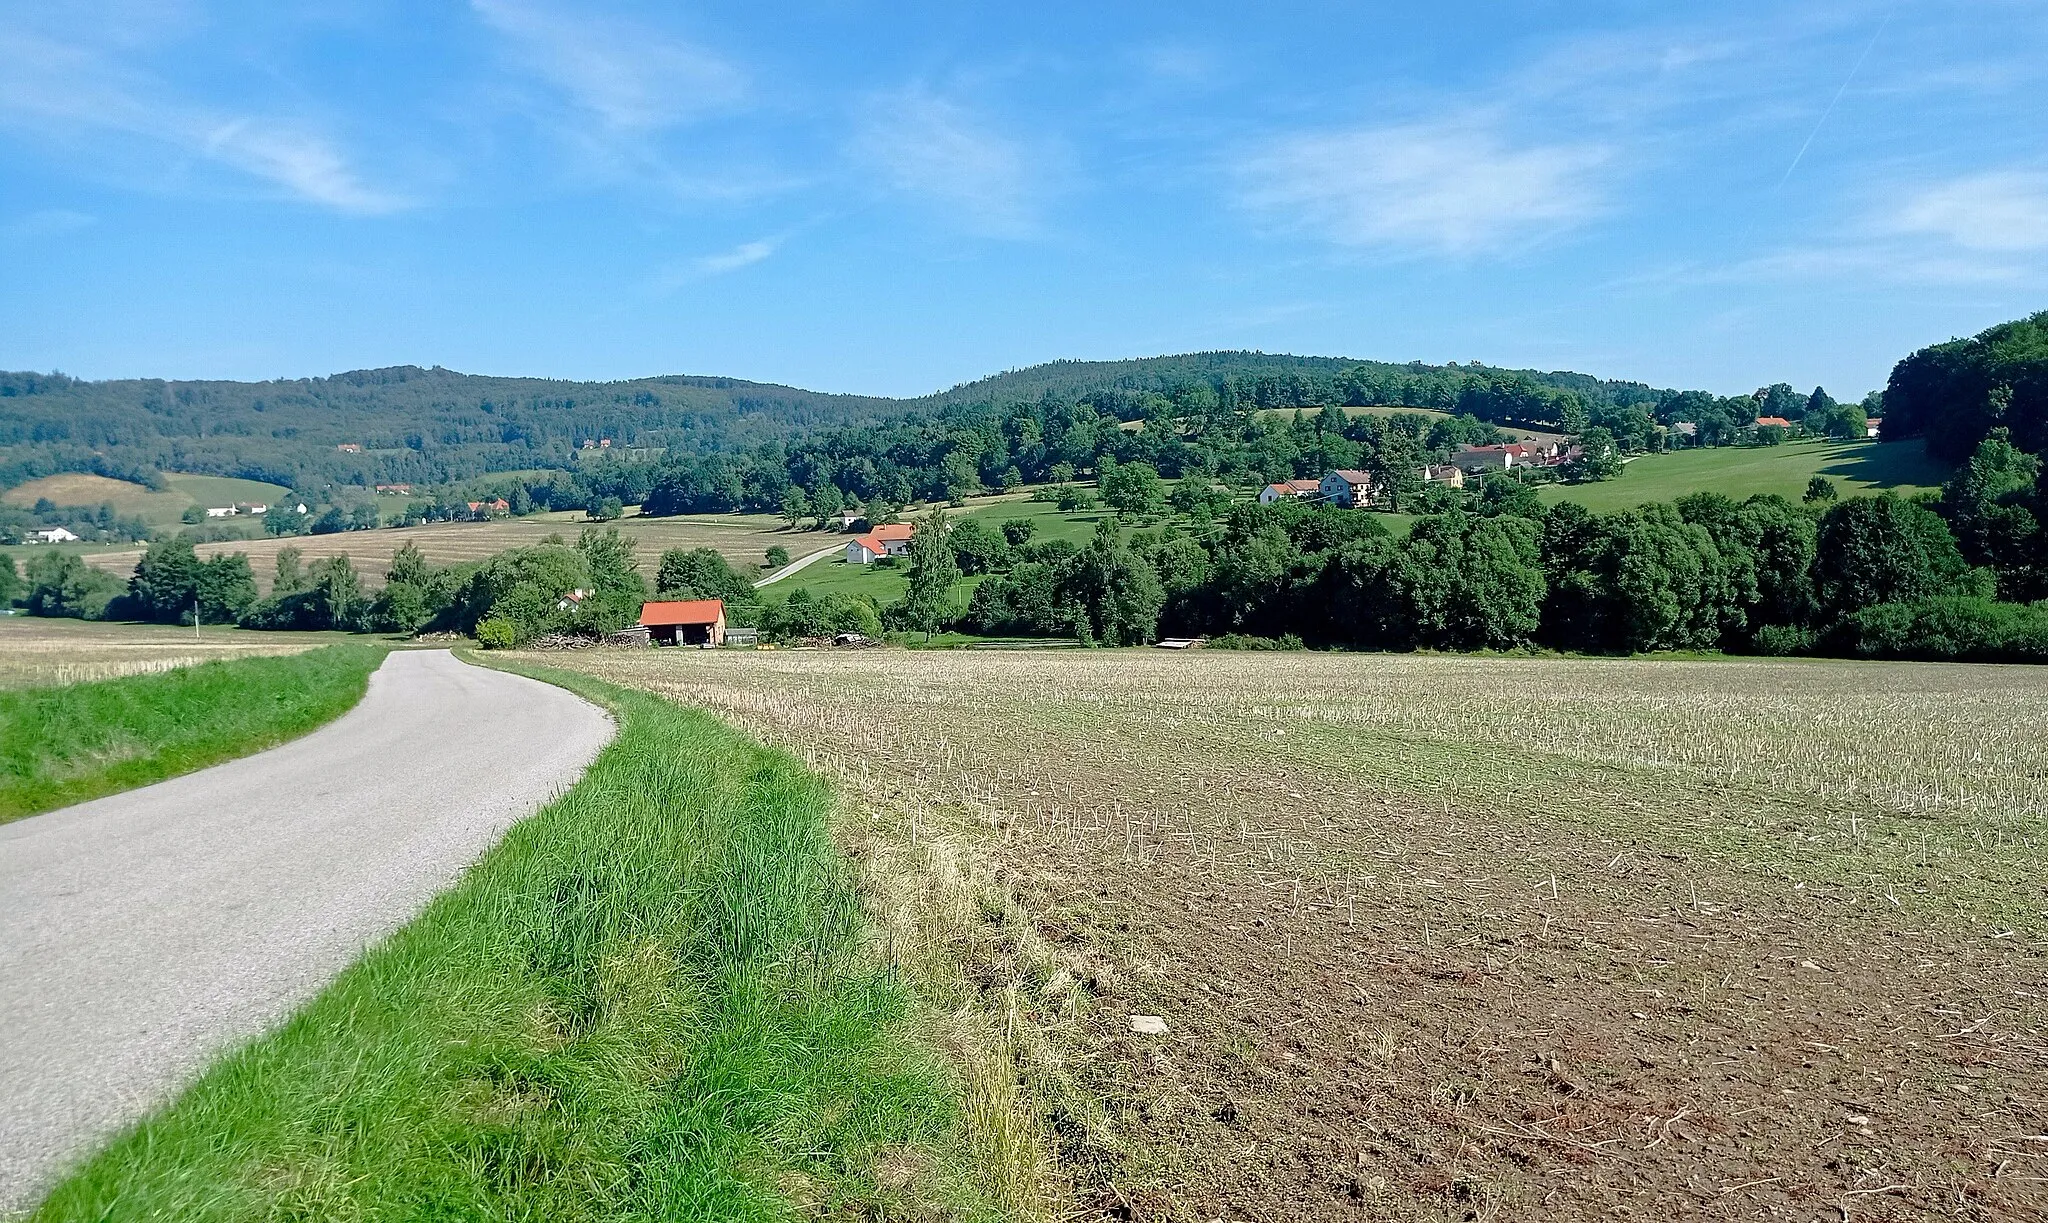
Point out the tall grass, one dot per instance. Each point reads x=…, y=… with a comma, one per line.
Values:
x=62, y=745
x=653, y=1000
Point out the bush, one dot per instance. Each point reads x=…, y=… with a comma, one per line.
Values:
x=778, y=556
x=1953, y=628
x=1782, y=640
x=1245, y=641
x=497, y=633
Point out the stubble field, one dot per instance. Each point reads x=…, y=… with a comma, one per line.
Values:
x=1461, y=938
x=36, y=651
x=742, y=539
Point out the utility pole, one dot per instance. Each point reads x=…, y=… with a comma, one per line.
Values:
x=195, y=617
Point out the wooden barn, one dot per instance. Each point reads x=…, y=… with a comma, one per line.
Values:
x=684, y=621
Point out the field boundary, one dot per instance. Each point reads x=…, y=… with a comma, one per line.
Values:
x=71, y=743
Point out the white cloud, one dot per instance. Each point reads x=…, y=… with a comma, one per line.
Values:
x=743, y=255
x=47, y=223
x=934, y=150
x=1454, y=189
x=60, y=90
x=632, y=76
x=2001, y=211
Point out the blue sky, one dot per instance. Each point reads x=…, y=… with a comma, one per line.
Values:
x=894, y=198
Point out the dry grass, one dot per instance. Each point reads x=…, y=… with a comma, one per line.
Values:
x=1458, y=937
x=36, y=651
x=742, y=538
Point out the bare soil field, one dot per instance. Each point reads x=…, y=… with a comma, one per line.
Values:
x=743, y=539
x=36, y=651
x=1466, y=938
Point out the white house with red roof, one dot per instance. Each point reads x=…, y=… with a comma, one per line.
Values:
x=1299, y=490
x=1504, y=456
x=1346, y=487
x=878, y=542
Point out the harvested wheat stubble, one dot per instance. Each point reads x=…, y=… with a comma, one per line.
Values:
x=740, y=538
x=1482, y=938
x=38, y=651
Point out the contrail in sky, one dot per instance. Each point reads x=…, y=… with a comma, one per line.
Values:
x=1849, y=80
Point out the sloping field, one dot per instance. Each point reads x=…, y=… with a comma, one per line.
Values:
x=742, y=538
x=157, y=508
x=37, y=651
x=1740, y=471
x=1468, y=938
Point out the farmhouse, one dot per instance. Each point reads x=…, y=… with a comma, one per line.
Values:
x=1300, y=490
x=1450, y=475
x=395, y=488
x=1773, y=422
x=484, y=509
x=1503, y=456
x=220, y=511
x=1346, y=487
x=56, y=535
x=1873, y=426
x=684, y=621
x=851, y=518
x=891, y=540
x=350, y=447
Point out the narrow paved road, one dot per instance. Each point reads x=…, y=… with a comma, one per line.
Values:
x=143, y=934
x=800, y=562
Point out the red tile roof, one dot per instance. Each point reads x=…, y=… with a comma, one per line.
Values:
x=1778, y=422
x=894, y=531
x=681, y=611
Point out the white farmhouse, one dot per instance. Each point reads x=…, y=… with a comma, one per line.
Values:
x=1346, y=487
x=56, y=535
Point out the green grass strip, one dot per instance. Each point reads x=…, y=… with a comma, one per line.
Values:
x=63, y=745
x=654, y=999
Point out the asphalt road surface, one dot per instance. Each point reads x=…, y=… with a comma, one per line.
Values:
x=144, y=934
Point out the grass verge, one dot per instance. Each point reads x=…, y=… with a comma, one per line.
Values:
x=655, y=999
x=63, y=745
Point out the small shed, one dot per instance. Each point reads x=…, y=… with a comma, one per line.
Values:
x=684, y=621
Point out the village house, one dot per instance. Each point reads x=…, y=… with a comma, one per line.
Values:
x=1773, y=422
x=684, y=621
x=400, y=489
x=1873, y=426
x=55, y=535
x=220, y=511
x=1346, y=487
x=1299, y=490
x=1450, y=475
x=1504, y=456
x=851, y=518
x=878, y=542
x=350, y=447
x=256, y=507
x=484, y=509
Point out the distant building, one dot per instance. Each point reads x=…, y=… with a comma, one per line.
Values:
x=1450, y=475
x=851, y=518
x=487, y=508
x=1297, y=490
x=1504, y=456
x=350, y=447
x=56, y=535
x=1773, y=422
x=399, y=489
x=878, y=542
x=255, y=507
x=220, y=511
x=1346, y=487
x=684, y=621
x=1873, y=426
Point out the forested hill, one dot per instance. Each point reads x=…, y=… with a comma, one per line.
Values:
x=415, y=425
x=1277, y=380
x=411, y=424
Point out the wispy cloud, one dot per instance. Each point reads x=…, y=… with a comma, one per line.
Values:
x=63, y=91
x=743, y=255
x=1999, y=211
x=1454, y=188
x=631, y=75
x=46, y=223
x=937, y=151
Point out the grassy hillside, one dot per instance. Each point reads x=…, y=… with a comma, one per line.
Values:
x=1739, y=472
x=656, y=998
x=160, y=509
x=64, y=745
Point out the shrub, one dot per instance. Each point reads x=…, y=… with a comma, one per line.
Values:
x=1782, y=640
x=497, y=633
